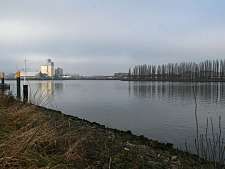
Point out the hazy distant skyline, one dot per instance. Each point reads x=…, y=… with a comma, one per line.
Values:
x=97, y=37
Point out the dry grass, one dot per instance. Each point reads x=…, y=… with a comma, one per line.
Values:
x=30, y=138
x=36, y=137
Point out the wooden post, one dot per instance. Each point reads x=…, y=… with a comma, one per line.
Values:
x=18, y=85
x=3, y=78
x=25, y=93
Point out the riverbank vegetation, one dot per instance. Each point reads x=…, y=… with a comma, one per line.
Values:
x=209, y=145
x=204, y=71
x=35, y=137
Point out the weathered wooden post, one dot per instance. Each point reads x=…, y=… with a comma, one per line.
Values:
x=25, y=93
x=18, y=85
x=25, y=87
x=3, y=78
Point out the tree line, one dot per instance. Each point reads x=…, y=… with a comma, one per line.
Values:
x=207, y=70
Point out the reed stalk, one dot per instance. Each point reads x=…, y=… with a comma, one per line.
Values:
x=209, y=147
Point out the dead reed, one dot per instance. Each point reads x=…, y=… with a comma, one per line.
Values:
x=30, y=138
x=210, y=147
x=35, y=137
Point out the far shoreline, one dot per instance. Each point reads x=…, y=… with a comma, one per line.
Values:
x=129, y=80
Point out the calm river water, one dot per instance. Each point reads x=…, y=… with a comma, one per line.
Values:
x=162, y=111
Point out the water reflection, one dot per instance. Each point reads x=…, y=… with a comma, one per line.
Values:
x=159, y=110
x=172, y=91
x=47, y=87
x=59, y=87
x=43, y=92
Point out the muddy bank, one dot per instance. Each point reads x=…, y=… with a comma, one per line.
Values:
x=36, y=137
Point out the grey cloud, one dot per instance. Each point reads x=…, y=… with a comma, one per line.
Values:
x=99, y=38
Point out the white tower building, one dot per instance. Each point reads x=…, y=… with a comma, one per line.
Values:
x=48, y=69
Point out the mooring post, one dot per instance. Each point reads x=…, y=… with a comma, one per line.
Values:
x=3, y=78
x=25, y=93
x=18, y=85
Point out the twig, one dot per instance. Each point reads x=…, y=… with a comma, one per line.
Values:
x=196, y=121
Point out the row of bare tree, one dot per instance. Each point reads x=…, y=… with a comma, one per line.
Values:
x=207, y=70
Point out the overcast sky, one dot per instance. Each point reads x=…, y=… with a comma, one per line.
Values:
x=101, y=37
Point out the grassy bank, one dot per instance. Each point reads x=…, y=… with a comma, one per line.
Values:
x=36, y=137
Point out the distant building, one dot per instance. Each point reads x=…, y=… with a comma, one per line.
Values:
x=32, y=75
x=59, y=72
x=11, y=76
x=66, y=76
x=121, y=75
x=48, y=69
x=75, y=76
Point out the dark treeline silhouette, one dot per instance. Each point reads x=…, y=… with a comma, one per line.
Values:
x=207, y=70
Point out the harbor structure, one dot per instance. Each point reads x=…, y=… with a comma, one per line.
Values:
x=31, y=75
x=59, y=72
x=120, y=75
x=48, y=69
